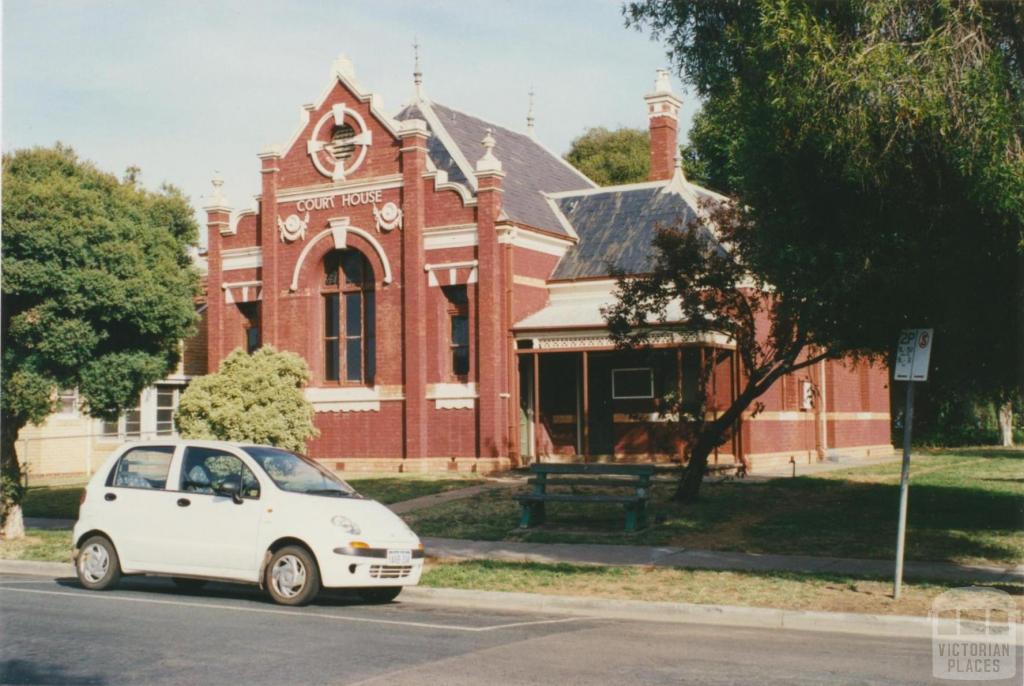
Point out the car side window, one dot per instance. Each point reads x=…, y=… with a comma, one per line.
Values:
x=204, y=470
x=143, y=468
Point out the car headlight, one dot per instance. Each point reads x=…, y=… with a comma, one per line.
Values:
x=345, y=524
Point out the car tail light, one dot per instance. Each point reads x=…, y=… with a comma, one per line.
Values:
x=81, y=498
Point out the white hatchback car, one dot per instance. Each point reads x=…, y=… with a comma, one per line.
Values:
x=202, y=510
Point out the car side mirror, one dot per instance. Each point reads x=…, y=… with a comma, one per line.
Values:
x=230, y=488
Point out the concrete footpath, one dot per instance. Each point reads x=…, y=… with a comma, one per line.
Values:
x=511, y=551
x=457, y=494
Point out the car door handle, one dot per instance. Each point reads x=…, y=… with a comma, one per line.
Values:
x=184, y=502
x=110, y=496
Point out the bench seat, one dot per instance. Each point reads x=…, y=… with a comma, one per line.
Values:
x=560, y=481
x=576, y=498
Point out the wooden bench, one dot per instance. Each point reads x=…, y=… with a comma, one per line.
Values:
x=635, y=477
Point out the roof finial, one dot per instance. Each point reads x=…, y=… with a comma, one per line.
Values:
x=417, y=75
x=488, y=163
x=216, y=200
x=529, y=114
x=218, y=189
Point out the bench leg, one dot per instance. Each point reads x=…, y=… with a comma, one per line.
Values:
x=630, y=519
x=532, y=515
x=636, y=517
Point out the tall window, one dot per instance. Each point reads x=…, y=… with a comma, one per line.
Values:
x=67, y=401
x=133, y=422
x=152, y=415
x=458, y=328
x=349, y=318
x=166, y=402
x=251, y=312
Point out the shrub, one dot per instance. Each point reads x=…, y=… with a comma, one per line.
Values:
x=255, y=398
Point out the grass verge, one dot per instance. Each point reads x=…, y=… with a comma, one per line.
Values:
x=38, y=545
x=788, y=591
x=966, y=506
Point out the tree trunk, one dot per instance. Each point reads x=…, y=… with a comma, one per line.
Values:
x=693, y=477
x=1006, y=424
x=11, y=523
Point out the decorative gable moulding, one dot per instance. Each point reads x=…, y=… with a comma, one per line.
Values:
x=338, y=149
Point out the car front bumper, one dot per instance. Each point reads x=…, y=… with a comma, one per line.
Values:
x=347, y=567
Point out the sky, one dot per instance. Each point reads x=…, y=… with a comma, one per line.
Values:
x=185, y=88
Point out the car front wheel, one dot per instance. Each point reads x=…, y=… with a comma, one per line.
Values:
x=292, y=577
x=98, y=566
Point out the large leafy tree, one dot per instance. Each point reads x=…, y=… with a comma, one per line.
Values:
x=98, y=292
x=877, y=147
x=256, y=398
x=614, y=157
x=716, y=294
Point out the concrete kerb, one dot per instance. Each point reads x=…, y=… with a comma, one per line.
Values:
x=629, y=610
x=677, y=613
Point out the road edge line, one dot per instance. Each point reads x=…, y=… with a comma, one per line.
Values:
x=610, y=608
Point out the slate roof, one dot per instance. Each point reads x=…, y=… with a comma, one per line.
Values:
x=530, y=169
x=617, y=226
x=438, y=154
x=614, y=226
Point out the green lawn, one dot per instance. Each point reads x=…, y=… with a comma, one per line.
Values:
x=818, y=592
x=966, y=506
x=62, y=501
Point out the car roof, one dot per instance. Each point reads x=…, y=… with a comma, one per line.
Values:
x=196, y=442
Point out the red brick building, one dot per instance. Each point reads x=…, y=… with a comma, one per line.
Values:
x=443, y=277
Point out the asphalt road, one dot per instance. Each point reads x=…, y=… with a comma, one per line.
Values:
x=147, y=632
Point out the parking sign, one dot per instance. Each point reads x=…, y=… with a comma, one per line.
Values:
x=913, y=351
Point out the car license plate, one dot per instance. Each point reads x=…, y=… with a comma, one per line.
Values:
x=399, y=557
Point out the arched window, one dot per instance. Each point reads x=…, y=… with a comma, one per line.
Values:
x=350, y=329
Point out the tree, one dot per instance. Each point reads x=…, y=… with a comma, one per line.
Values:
x=877, y=146
x=98, y=293
x=256, y=398
x=611, y=158
x=718, y=295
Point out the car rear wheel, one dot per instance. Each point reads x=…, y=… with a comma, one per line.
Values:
x=379, y=595
x=292, y=577
x=98, y=566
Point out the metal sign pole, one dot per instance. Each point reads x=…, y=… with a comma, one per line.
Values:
x=901, y=532
x=913, y=351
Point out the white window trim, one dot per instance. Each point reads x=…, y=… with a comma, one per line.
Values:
x=147, y=417
x=650, y=376
x=60, y=403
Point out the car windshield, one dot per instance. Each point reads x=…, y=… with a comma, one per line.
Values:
x=298, y=474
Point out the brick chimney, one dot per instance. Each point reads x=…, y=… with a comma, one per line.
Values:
x=663, y=115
